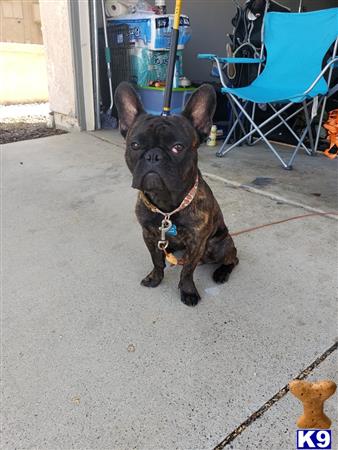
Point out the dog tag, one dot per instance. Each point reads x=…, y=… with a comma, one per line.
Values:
x=172, y=260
x=172, y=230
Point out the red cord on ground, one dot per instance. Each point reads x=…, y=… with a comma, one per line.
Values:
x=258, y=227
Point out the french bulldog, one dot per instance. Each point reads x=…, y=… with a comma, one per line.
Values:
x=161, y=154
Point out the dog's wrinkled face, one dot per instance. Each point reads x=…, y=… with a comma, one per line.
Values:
x=161, y=152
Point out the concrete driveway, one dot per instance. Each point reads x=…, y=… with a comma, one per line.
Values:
x=92, y=360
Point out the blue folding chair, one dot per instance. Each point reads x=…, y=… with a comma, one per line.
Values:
x=295, y=45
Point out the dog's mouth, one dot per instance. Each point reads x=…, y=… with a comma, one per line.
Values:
x=151, y=182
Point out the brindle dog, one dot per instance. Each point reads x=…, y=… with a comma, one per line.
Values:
x=161, y=153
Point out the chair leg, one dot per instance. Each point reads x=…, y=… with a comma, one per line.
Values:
x=232, y=129
x=258, y=130
x=293, y=156
x=279, y=125
x=238, y=114
x=308, y=127
x=320, y=124
x=222, y=151
x=284, y=122
x=250, y=140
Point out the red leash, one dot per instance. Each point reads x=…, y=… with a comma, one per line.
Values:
x=258, y=227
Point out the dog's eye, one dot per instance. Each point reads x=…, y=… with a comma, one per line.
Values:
x=135, y=145
x=177, y=148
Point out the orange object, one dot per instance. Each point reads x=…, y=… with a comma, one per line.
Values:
x=313, y=396
x=332, y=127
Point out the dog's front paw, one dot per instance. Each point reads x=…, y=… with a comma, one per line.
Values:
x=190, y=298
x=153, y=279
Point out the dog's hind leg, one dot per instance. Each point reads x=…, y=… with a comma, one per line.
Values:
x=222, y=273
x=229, y=261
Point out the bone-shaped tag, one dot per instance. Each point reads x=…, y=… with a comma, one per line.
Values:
x=313, y=396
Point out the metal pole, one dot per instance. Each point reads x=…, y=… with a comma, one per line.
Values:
x=325, y=98
x=267, y=6
x=73, y=8
x=172, y=60
x=96, y=65
x=108, y=56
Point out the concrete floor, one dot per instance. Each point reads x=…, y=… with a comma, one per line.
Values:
x=312, y=182
x=92, y=360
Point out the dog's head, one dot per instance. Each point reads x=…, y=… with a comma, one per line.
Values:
x=161, y=152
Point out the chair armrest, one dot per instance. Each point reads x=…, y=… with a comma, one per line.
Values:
x=220, y=61
x=331, y=62
x=206, y=56
x=242, y=60
x=210, y=56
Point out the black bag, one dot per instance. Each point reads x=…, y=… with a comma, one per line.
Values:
x=246, y=41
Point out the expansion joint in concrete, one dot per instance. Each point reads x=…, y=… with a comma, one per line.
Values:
x=109, y=141
x=280, y=394
x=270, y=195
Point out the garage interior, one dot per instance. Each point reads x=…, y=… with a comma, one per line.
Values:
x=210, y=22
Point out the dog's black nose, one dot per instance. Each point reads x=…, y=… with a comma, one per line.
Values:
x=153, y=156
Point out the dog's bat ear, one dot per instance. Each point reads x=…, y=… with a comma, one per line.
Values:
x=128, y=106
x=200, y=109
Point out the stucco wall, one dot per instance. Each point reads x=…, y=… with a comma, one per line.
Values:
x=56, y=38
x=23, y=77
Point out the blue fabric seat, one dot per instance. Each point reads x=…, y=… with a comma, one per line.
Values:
x=274, y=94
x=296, y=45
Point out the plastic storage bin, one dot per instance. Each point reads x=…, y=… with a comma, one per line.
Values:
x=152, y=99
x=151, y=65
x=154, y=31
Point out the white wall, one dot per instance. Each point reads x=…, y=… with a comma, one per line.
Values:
x=56, y=37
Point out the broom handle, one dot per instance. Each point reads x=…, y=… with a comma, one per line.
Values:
x=172, y=60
